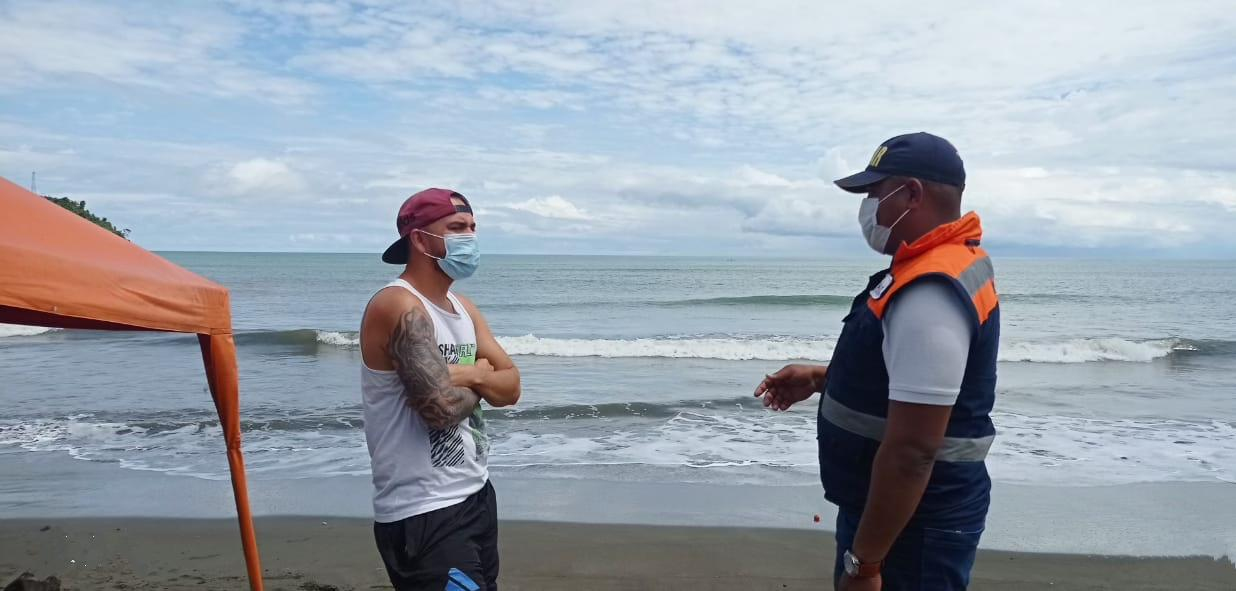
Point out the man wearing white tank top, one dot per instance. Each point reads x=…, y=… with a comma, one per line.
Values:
x=429, y=360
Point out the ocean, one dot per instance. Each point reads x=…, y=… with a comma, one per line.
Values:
x=641, y=370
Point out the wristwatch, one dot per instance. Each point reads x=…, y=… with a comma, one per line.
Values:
x=857, y=569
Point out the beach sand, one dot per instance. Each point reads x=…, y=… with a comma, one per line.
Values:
x=308, y=553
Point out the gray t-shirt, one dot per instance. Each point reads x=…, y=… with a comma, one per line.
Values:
x=927, y=336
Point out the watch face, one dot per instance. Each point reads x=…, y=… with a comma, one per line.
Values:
x=851, y=563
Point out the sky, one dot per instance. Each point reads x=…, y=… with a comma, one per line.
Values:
x=638, y=127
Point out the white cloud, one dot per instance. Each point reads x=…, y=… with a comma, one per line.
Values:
x=753, y=176
x=798, y=217
x=329, y=239
x=498, y=186
x=427, y=50
x=832, y=166
x=554, y=207
x=722, y=121
x=262, y=176
x=536, y=99
x=1222, y=195
x=816, y=74
x=190, y=49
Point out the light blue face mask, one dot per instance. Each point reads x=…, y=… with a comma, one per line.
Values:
x=462, y=255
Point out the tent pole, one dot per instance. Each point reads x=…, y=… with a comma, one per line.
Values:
x=248, y=537
x=219, y=354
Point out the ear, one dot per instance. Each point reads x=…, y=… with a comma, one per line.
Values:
x=416, y=242
x=917, y=193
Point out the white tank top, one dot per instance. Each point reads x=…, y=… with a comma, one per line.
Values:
x=417, y=469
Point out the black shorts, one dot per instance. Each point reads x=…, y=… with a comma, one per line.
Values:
x=455, y=548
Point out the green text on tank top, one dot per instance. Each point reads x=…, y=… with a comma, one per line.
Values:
x=465, y=354
x=454, y=354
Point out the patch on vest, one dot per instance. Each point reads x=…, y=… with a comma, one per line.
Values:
x=878, y=291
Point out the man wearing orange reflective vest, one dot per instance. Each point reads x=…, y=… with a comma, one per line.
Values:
x=904, y=419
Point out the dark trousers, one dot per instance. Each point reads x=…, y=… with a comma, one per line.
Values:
x=921, y=559
x=451, y=549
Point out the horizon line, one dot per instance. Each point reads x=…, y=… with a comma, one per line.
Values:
x=376, y=255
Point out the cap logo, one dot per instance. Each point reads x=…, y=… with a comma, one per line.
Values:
x=879, y=155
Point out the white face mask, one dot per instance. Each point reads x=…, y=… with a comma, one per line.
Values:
x=877, y=235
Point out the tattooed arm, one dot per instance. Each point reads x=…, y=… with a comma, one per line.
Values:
x=413, y=351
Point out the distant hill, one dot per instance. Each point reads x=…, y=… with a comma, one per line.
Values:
x=79, y=208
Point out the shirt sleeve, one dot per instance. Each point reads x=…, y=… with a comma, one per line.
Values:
x=927, y=333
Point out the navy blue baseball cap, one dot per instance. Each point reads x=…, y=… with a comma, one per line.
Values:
x=918, y=155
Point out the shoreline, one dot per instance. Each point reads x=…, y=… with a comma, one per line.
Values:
x=1124, y=520
x=1118, y=520
x=315, y=552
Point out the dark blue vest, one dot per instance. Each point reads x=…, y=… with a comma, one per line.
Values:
x=855, y=404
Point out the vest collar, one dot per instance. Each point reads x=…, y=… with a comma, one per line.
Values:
x=967, y=231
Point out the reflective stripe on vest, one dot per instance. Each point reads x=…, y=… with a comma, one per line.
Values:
x=977, y=275
x=954, y=449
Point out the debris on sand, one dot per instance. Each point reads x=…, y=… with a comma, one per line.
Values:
x=27, y=582
x=312, y=586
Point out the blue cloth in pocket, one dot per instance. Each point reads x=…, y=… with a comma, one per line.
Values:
x=457, y=581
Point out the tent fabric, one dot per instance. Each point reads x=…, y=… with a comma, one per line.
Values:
x=61, y=271
x=53, y=261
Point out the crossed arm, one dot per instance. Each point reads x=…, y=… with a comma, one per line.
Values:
x=397, y=334
x=413, y=350
x=499, y=383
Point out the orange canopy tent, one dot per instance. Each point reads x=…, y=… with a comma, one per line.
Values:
x=61, y=271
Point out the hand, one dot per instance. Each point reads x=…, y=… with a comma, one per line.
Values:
x=848, y=583
x=470, y=376
x=792, y=384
